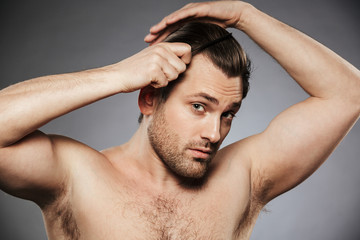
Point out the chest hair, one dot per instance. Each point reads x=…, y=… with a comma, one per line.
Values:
x=168, y=218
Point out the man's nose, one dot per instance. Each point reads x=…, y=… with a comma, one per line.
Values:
x=211, y=129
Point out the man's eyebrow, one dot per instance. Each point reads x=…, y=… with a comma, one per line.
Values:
x=214, y=100
x=207, y=97
x=236, y=104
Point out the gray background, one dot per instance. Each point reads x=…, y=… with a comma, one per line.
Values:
x=48, y=37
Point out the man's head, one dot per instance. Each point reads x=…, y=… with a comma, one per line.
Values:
x=193, y=114
x=227, y=54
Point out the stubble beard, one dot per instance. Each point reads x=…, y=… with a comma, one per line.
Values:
x=172, y=151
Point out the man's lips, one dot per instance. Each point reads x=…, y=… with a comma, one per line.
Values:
x=201, y=153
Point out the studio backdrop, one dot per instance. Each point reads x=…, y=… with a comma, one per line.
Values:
x=49, y=37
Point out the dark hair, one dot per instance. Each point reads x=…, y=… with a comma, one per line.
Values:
x=226, y=54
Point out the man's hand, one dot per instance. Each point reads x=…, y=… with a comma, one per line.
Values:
x=223, y=13
x=156, y=65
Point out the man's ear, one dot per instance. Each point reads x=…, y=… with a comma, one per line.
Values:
x=147, y=100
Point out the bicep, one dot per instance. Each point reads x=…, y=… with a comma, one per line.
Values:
x=297, y=142
x=30, y=166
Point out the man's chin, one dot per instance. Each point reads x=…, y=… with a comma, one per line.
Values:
x=198, y=171
x=194, y=181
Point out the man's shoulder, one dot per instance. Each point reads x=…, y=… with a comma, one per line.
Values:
x=236, y=151
x=233, y=160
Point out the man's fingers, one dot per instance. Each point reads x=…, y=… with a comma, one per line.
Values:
x=179, y=57
x=150, y=38
x=167, y=72
x=188, y=11
x=154, y=38
x=168, y=61
x=186, y=58
x=158, y=27
x=182, y=50
x=170, y=72
x=162, y=25
x=192, y=10
x=159, y=81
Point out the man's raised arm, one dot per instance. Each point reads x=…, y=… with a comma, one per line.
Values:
x=29, y=160
x=299, y=139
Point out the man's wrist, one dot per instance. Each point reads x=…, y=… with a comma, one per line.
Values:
x=107, y=77
x=247, y=12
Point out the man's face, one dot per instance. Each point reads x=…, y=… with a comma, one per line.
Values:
x=187, y=130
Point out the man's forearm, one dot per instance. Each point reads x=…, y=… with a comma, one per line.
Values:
x=316, y=68
x=28, y=105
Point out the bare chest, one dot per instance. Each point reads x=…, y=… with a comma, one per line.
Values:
x=100, y=208
x=104, y=215
x=164, y=217
x=159, y=217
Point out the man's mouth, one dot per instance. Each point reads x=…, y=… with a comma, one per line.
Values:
x=201, y=153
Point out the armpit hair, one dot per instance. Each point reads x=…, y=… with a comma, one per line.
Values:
x=62, y=215
x=260, y=188
x=67, y=221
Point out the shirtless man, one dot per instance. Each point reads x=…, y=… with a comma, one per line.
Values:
x=138, y=190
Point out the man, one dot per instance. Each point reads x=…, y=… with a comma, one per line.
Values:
x=140, y=190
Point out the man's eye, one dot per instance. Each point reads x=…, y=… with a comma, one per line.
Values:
x=198, y=107
x=229, y=115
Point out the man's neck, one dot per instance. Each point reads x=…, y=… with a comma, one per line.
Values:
x=145, y=164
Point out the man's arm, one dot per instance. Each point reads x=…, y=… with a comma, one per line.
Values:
x=299, y=139
x=31, y=162
x=302, y=137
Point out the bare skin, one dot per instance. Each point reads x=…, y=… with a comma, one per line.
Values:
x=127, y=192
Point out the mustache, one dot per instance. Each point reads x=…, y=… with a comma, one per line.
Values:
x=213, y=147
